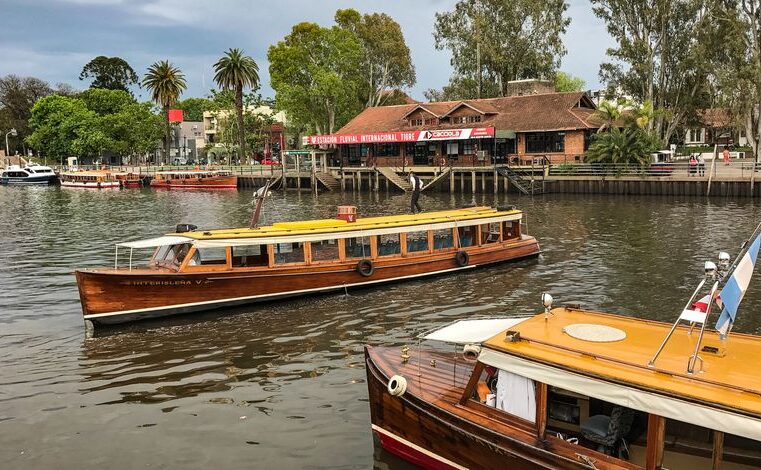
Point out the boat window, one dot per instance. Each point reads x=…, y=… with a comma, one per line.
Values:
x=325, y=250
x=292, y=252
x=250, y=255
x=511, y=393
x=466, y=236
x=178, y=253
x=489, y=233
x=208, y=256
x=417, y=242
x=161, y=253
x=358, y=247
x=443, y=239
x=388, y=245
x=511, y=229
x=690, y=446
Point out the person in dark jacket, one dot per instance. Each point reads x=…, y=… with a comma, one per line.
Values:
x=417, y=185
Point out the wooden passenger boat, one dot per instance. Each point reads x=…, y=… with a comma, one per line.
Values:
x=195, y=179
x=92, y=179
x=569, y=389
x=201, y=270
x=128, y=179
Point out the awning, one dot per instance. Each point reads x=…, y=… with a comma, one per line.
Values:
x=472, y=331
x=154, y=242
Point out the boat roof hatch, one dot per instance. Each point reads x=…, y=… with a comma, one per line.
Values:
x=472, y=331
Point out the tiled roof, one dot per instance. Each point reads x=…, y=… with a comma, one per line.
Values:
x=542, y=112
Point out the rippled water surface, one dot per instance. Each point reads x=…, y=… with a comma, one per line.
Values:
x=283, y=385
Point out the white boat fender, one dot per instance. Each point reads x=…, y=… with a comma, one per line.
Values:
x=470, y=352
x=397, y=385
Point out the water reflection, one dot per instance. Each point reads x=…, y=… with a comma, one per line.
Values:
x=284, y=383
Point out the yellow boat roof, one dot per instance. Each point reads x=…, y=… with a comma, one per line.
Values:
x=323, y=226
x=731, y=378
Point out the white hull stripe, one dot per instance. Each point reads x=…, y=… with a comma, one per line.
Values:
x=277, y=294
x=416, y=447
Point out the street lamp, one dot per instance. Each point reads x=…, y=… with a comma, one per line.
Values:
x=7, y=148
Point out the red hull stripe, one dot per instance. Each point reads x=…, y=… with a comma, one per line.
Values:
x=413, y=453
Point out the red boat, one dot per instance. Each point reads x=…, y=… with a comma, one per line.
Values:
x=195, y=179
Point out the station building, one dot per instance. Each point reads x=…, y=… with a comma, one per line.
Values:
x=543, y=127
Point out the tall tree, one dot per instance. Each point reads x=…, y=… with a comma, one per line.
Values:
x=386, y=61
x=659, y=56
x=502, y=40
x=567, y=82
x=17, y=96
x=166, y=83
x=193, y=108
x=113, y=73
x=316, y=75
x=237, y=71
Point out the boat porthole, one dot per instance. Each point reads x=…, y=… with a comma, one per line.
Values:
x=397, y=385
x=462, y=258
x=365, y=267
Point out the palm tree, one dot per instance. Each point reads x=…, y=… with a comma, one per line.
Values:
x=236, y=71
x=166, y=83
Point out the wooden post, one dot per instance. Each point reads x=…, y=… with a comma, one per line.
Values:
x=496, y=181
x=656, y=431
x=713, y=168
x=462, y=182
x=377, y=181
x=343, y=181
x=541, y=409
x=483, y=181
x=718, y=449
x=451, y=181
x=473, y=182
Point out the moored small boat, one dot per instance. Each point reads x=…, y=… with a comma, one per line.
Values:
x=128, y=179
x=572, y=388
x=90, y=179
x=31, y=174
x=194, y=270
x=195, y=179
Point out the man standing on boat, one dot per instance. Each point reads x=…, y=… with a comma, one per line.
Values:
x=417, y=185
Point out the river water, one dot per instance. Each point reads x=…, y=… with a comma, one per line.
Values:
x=283, y=385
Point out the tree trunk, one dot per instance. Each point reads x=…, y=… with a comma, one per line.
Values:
x=241, y=130
x=167, y=134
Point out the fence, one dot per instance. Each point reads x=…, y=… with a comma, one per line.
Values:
x=678, y=170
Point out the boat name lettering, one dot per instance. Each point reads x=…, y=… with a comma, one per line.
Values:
x=167, y=283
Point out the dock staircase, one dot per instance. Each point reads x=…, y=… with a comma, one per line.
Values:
x=440, y=177
x=395, y=179
x=328, y=180
x=524, y=185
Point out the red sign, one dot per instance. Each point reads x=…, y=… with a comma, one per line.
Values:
x=403, y=136
x=175, y=115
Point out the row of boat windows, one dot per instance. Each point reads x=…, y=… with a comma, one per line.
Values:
x=621, y=432
x=387, y=245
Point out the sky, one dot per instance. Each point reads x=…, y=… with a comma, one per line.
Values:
x=54, y=39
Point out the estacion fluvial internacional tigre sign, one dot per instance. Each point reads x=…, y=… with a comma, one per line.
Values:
x=402, y=136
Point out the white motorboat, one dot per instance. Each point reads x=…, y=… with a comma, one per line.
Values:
x=31, y=173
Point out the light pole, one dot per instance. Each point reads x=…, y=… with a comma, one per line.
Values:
x=7, y=148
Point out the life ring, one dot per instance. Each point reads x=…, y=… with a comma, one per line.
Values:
x=470, y=352
x=462, y=258
x=442, y=161
x=365, y=267
x=397, y=385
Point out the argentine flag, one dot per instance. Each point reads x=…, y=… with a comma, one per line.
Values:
x=734, y=290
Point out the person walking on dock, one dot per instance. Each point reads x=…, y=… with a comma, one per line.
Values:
x=701, y=165
x=417, y=185
x=725, y=153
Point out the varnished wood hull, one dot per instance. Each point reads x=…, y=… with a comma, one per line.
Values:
x=110, y=296
x=428, y=427
x=212, y=182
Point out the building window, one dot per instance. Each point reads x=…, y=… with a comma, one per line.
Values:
x=355, y=152
x=476, y=118
x=416, y=122
x=545, y=142
x=696, y=135
x=452, y=149
x=431, y=121
x=469, y=147
x=386, y=150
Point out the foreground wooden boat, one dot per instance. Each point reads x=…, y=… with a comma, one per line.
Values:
x=201, y=270
x=569, y=389
x=195, y=179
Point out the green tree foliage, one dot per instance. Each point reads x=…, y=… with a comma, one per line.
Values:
x=462, y=88
x=166, y=83
x=512, y=39
x=386, y=62
x=236, y=71
x=193, y=108
x=626, y=139
x=659, y=55
x=113, y=73
x=567, y=82
x=257, y=124
x=17, y=96
x=316, y=75
x=93, y=124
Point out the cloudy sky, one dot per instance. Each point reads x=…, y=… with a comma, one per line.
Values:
x=53, y=39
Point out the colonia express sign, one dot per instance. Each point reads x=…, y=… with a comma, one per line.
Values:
x=403, y=136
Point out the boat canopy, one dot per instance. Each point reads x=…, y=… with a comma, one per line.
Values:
x=154, y=242
x=472, y=331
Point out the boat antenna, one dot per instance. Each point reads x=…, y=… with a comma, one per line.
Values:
x=259, y=196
